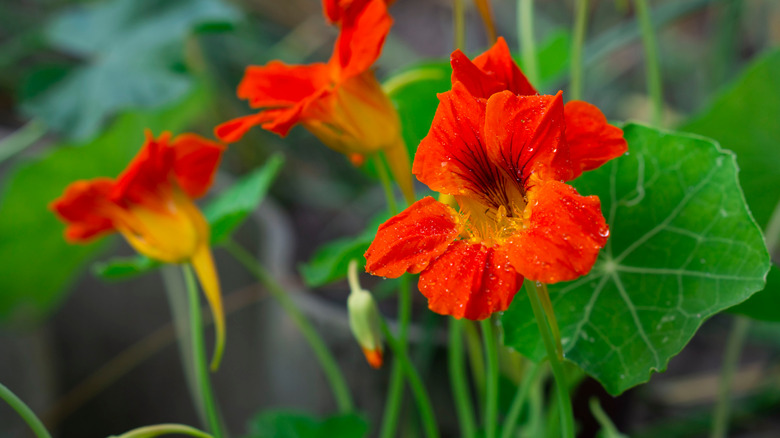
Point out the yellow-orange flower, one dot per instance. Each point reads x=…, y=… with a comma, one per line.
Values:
x=151, y=205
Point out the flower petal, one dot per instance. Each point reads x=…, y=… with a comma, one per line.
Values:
x=277, y=84
x=203, y=264
x=525, y=136
x=408, y=241
x=452, y=159
x=592, y=141
x=84, y=208
x=490, y=72
x=471, y=281
x=195, y=163
x=563, y=235
x=146, y=180
x=362, y=36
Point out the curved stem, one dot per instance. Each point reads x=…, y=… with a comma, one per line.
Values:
x=580, y=25
x=396, y=389
x=329, y=365
x=562, y=390
x=491, y=393
x=199, y=355
x=651, y=60
x=163, y=429
x=720, y=420
x=24, y=411
x=525, y=31
x=531, y=375
x=459, y=381
x=384, y=178
x=415, y=382
x=22, y=138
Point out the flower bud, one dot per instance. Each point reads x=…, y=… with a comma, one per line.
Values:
x=364, y=319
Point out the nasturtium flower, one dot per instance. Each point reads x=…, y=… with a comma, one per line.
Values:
x=504, y=153
x=151, y=205
x=340, y=102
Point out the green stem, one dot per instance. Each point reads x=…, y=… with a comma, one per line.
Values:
x=531, y=375
x=329, y=365
x=24, y=137
x=562, y=390
x=491, y=393
x=544, y=297
x=415, y=382
x=396, y=389
x=720, y=421
x=163, y=429
x=459, y=381
x=199, y=355
x=458, y=19
x=580, y=26
x=24, y=411
x=651, y=60
x=607, y=426
x=384, y=178
x=525, y=30
x=475, y=355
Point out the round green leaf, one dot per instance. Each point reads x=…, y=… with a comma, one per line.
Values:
x=683, y=247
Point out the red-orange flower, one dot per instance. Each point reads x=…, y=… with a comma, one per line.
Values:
x=151, y=205
x=503, y=152
x=340, y=101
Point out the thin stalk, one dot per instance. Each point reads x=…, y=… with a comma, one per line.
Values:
x=199, y=355
x=525, y=33
x=580, y=27
x=536, y=405
x=475, y=354
x=329, y=365
x=24, y=411
x=384, y=178
x=531, y=376
x=163, y=429
x=562, y=390
x=544, y=297
x=396, y=389
x=415, y=382
x=491, y=392
x=24, y=137
x=652, y=62
x=459, y=380
x=720, y=420
x=459, y=24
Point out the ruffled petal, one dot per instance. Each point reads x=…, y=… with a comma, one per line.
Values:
x=277, y=84
x=563, y=235
x=525, y=136
x=146, y=179
x=233, y=130
x=409, y=241
x=362, y=36
x=490, y=72
x=452, y=158
x=195, y=163
x=470, y=281
x=85, y=208
x=592, y=141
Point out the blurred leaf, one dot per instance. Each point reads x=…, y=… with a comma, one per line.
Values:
x=414, y=92
x=288, y=424
x=231, y=207
x=330, y=261
x=226, y=212
x=744, y=119
x=763, y=305
x=36, y=264
x=682, y=248
x=131, y=49
x=553, y=58
x=122, y=268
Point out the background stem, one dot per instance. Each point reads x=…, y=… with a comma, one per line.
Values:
x=459, y=380
x=720, y=420
x=491, y=393
x=580, y=25
x=651, y=61
x=525, y=33
x=199, y=355
x=329, y=365
x=562, y=390
x=24, y=411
